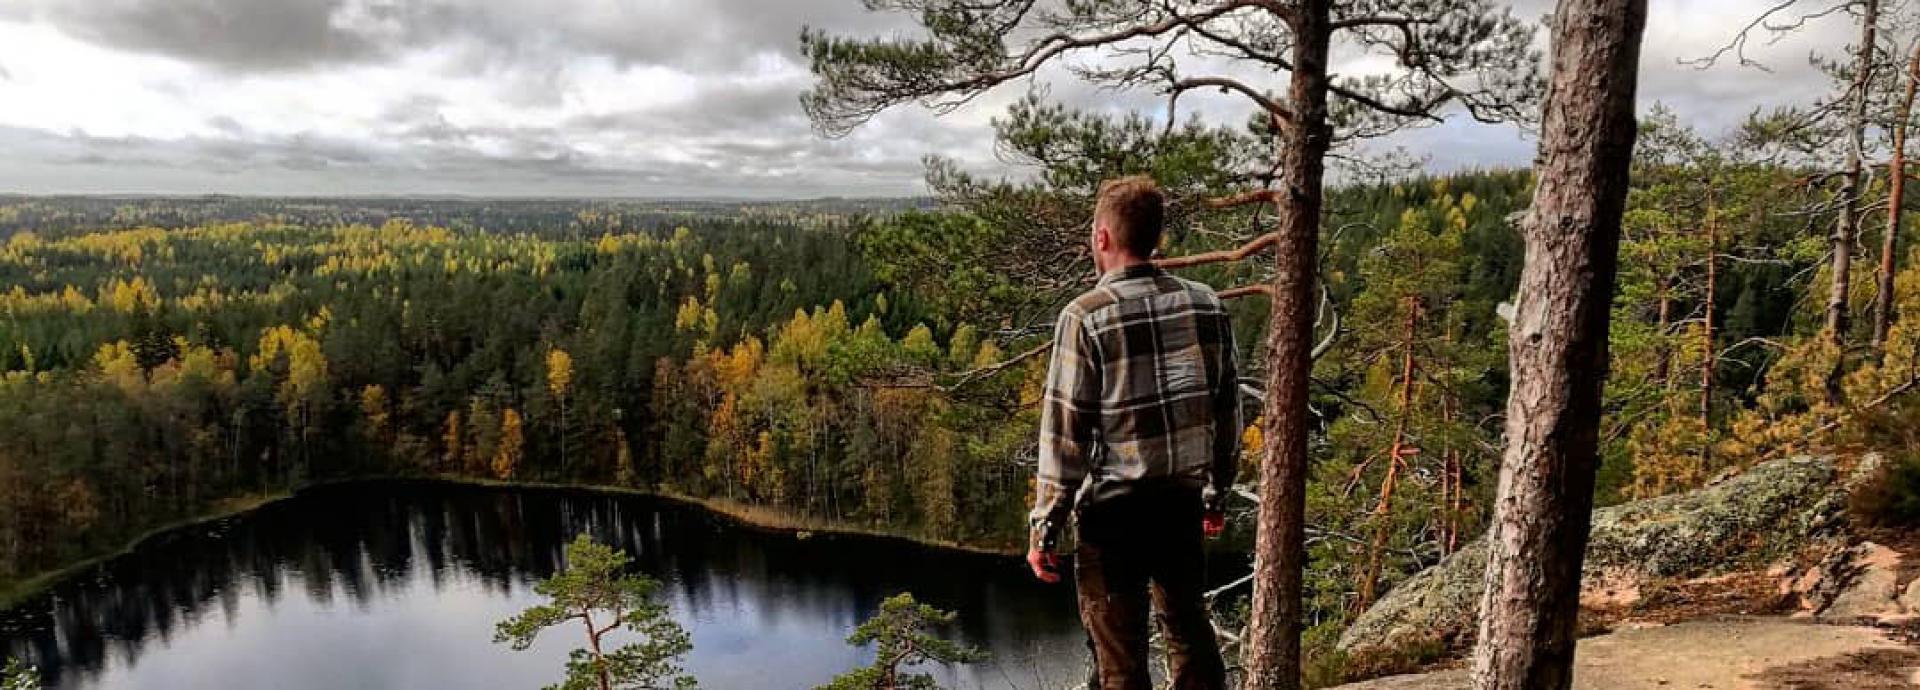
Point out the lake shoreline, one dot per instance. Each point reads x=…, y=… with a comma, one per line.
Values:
x=766, y=519
x=757, y=517
x=12, y=594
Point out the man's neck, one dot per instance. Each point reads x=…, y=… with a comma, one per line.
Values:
x=1122, y=267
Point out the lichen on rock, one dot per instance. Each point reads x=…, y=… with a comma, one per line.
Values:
x=1770, y=512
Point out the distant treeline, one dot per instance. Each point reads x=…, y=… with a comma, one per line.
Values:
x=53, y=216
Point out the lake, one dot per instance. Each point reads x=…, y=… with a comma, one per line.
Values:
x=398, y=585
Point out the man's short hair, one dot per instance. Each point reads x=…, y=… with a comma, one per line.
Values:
x=1134, y=211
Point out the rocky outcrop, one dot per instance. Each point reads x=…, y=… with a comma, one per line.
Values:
x=1868, y=588
x=1768, y=513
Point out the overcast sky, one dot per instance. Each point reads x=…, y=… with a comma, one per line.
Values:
x=640, y=98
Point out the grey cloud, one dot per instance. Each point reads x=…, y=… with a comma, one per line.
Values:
x=491, y=35
x=740, y=133
x=238, y=34
x=532, y=161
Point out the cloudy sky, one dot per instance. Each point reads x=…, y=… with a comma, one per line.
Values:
x=639, y=98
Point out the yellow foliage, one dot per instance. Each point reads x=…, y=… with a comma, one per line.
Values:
x=374, y=408
x=695, y=317
x=737, y=369
x=117, y=365
x=919, y=343
x=125, y=296
x=196, y=363
x=801, y=341
x=512, y=443
x=989, y=355
x=559, y=372
x=1252, y=447
x=834, y=323
x=18, y=301
x=300, y=355
x=1667, y=455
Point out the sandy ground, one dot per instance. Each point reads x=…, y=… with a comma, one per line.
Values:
x=1732, y=654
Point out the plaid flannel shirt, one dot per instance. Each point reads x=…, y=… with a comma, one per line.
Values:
x=1142, y=386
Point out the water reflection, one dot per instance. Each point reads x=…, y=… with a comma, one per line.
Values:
x=398, y=586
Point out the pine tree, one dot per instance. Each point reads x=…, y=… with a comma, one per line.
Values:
x=19, y=676
x=903, y=636
x=593, y=587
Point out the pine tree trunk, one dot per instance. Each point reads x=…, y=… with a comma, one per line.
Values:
x=601, y=674
x=1849, y=222
x=1273, y=633
x=1558, y=349
x=1896, y=199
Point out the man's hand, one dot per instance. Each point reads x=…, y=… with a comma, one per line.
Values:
x=1213, y=522
x=1046, y=566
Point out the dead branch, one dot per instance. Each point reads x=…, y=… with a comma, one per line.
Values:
x=1224, y=255
x=1246, y=290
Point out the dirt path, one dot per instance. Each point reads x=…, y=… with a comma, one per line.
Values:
x=1733, y=654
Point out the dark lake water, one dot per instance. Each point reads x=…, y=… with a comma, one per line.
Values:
x=398, y=585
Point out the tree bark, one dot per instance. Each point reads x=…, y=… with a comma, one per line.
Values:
x=1896, y=199
x=1273, y=633
x=1558, y=349
x=599, y=660
x=1848, y=223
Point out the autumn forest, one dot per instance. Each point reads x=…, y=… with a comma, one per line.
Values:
x=1439, y=364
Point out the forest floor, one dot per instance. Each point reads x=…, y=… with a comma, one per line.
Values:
x=1728, y=653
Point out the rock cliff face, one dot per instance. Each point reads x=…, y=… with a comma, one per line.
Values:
x=1768, y=513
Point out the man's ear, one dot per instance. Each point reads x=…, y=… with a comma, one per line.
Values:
x=1102, y=239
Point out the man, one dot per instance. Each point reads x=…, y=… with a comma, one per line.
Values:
x=1139, y=433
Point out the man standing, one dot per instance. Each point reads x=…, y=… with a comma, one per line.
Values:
x=1139, y=433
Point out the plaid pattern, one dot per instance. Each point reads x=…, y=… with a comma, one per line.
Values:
x=1142, y=386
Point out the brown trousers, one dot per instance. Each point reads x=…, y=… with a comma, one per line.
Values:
x=1137, y=552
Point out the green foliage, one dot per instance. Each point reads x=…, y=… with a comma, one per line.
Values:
x=593, y=587
x=1415, y=371
x=19, y=676
x=903, y=635
x=1709, y=238
x=947, y=257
